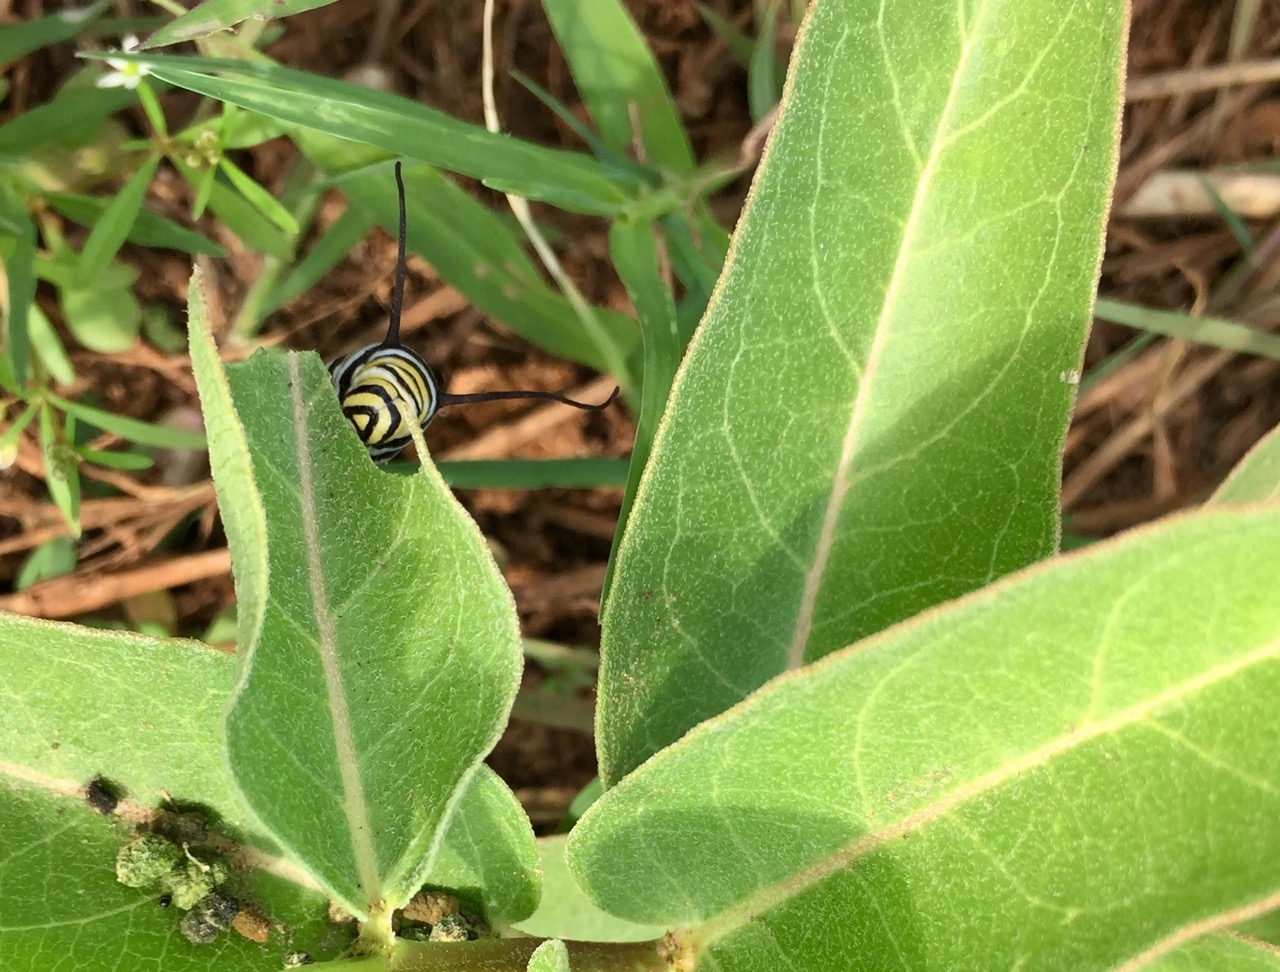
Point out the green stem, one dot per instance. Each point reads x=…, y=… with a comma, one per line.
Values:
x=512, y=955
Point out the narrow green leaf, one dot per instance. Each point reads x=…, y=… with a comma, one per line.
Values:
x=764, y=83
x=566, y=179
x=1115, y=360
x=129, y=461
x=105, y=319
x=1072, y=769
x=53, y=558
x=1215, y=331
x=565, y=912
x=114, y=226
x=382, y=655
x=150, y=229
x=258, y=197
x=253, y=229
x=48, y=347
x=9, y=437
x=61, y=473
x=575, y=124
x=619, y=80
x=1235, y=222
x=550, y=956
x=17, y=40
x=215, y=15
x=71, y=110
x=143, y=433
x=1256, y=477
x=635, y=257
x=245, y=129
x=870, y=419
x=18, y=237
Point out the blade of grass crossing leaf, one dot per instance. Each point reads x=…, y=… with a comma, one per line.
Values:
x=114, y=226
x=620, y=81
x=571, y=121
x=1239, y=228
x=635, y=253
x=259, y=197
x=1216, y=331
x=764, y=86
x=1116, y=360
x=61, y=473
x=143, y=433
x=48, y=347
x=215, y=15
x=570, y=180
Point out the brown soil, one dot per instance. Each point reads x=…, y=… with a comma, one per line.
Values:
x=1152, y=438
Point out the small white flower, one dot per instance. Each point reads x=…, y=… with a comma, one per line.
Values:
x=125, y=74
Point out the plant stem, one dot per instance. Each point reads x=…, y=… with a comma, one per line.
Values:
x=512, y=955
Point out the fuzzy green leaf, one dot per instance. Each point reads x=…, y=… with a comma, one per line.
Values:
x=379, y=645
x=870, y=418
x=1256, y=477
x=565, y=912
x=146, y=713
x=64, y=908
x=550, y=956
x=1073, y=769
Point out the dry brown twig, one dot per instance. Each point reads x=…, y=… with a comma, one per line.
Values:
x=66, y=597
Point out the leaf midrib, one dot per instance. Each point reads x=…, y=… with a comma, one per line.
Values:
x=766, y=898
x=842, y=481
x=355, y=807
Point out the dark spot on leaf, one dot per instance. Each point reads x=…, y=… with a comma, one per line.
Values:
x=102, y=796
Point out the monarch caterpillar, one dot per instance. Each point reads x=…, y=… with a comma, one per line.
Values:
x=377, y=381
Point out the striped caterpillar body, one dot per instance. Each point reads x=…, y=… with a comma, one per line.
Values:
x=385, y=387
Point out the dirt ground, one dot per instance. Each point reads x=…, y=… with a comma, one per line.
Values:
x=1154, y=436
